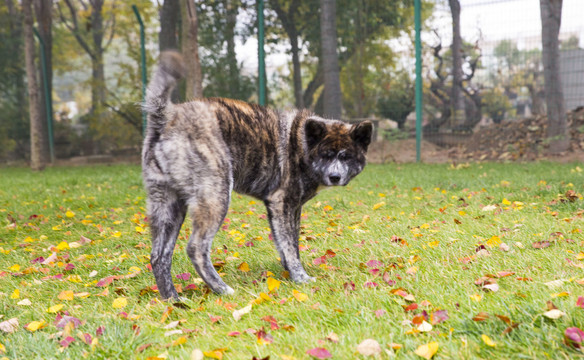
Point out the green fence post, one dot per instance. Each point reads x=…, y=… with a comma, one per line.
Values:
x=261, y=55
x=418, y=26
x=143, y=64
x=48, y=97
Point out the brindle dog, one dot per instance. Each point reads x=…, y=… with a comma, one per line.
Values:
x=196, y=153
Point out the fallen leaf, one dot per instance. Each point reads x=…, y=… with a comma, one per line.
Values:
x=197, y=354
x=427, y=351
x=333, y=337
x=425, y=326
x=487, y=340
x=120, y=303
x=580, y=302
x=319, y=353
x=244, y=267
x=438, y=317
x=237, y=314
x=9, y=326
x=36, y=325
x=66, y=295
x=215, y=354
x=299, y=296
x=55, y=308
x=574, y=337
x=482, y=316
x=273, y=284
x=369, y=347
x=24, y=302
x=554, y=314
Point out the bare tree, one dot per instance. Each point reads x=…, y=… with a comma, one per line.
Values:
x=557, y=132
x=36, y=160
x=457, y=75
x=44, y=15
x=91, y=38
x=330, y=61
x=190, y=50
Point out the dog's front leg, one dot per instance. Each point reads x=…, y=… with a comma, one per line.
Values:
x=285, y=223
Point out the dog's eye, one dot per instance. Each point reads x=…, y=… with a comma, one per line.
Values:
x=329, y=154
x=345, y=156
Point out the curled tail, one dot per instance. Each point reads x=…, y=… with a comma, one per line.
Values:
x=170, y=69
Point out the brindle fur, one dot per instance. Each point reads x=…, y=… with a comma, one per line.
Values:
x=196, y=153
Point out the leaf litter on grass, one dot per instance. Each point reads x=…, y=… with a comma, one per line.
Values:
x=80, y=249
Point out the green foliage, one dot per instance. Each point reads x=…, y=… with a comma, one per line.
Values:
x=496, y=104
x=398, y=101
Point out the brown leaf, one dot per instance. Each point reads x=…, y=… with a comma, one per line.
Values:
x=482, y=316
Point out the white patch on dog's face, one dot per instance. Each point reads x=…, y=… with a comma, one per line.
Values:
x=336, y=173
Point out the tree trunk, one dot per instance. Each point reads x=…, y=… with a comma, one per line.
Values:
x=169, y=18
x=289, y=25
x=557, y=131
x=98, y=88
x=232, y=68
x=36, y=159
x=190, y=50
x=457, y=96
x=43, y=10
x=16, y=32
x=330, y=61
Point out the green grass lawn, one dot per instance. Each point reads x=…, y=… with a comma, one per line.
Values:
x=401, y=256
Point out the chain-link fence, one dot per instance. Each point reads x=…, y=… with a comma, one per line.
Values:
x=496, y=112
x=499, y=111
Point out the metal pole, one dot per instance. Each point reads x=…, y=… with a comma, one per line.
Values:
x=48, y=97
x=261, y=55
x=418, y=26
x=143, y=65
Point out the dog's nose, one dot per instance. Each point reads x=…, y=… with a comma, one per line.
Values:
x=334, y=178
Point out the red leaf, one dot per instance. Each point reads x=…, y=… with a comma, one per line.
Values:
x=580, y=302
x=319, y=260
x=67, y=341
x=234, y=333
x=319, y=353
x=370, y=284
x=105, y=281
x=573, y=336
x=183, y=276
x=439, y=316
x=380, y=312
x=374, y=264
x=411, y=307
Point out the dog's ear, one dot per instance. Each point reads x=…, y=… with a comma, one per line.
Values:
x=361, y=133
x=314, y=131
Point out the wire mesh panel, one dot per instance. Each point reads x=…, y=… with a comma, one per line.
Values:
x=484, y=88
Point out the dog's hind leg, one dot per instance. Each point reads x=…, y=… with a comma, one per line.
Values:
x=208, y=211
x=166, y=213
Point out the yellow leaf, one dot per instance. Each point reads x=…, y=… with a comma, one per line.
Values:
x=120, y=303
x=244, y=267
x=562, y=294
x=327, y=208
x=181, y=340
x=55, y=308
x=215, y=354
x=476, y=297
x=66, y=295
x=35, y=325
x=15, y=294
x=299, y=296
x=428, y=350
x=494, y=241
x=63, y=245
x=14, y=268
x=139, y=229
x=506, y=202
x=2, y=349
x=82, y=295
x=433, y=244
x=378, y=205
x=273, y=284
x=487, y=340
x=580, y=256
x=70, y=214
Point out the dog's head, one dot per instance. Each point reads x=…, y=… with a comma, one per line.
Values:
x=336, y=150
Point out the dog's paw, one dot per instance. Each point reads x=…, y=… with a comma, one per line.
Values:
x=303, y=279
x=227, y=291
